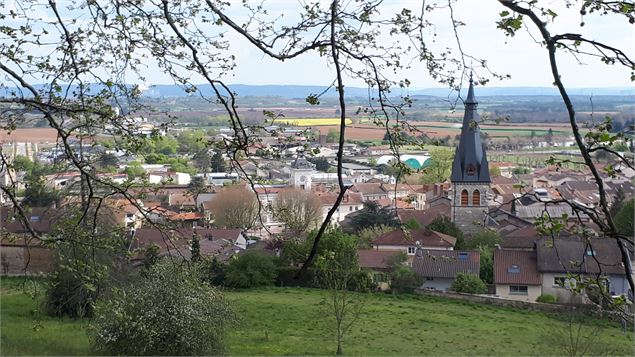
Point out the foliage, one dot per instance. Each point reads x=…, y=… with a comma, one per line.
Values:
x=218, y=163
x=404, y=280
x=196, y=186
x=412, y=224
x=624, y=219
x=332, y=136
x=213, y=271
x=494, y=171
x=298, y=209
x=443, y=224
x=150, y=256
x=134, y=170
x=167, y=312
x=521, y=170
x=234, y=207
x=487, y=263
x=440, y=167
x=85, y=265
x=486, y=238
x=547, y=298
x=373, y=215
x=321, y=163
x=251, y=269
x=367, y=235
x=191, y=141
x=335, y=270
x=195, y=247
x=36, y=194
x=468, y=283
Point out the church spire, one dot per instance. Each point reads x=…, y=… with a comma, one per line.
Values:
x=470, y=160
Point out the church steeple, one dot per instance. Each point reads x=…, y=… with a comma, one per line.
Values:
x=470, y=161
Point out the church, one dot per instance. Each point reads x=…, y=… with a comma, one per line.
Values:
x=470, y=173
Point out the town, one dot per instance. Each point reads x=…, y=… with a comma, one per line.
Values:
x=151, y=205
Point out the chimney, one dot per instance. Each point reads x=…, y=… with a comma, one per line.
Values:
x=513, y=209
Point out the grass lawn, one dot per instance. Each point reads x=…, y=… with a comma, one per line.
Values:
x=289, y=321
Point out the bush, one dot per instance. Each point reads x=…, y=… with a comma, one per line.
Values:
x=167, y=312
x=69, y=294
x=286, y=277
x=404, y=280
x=250, y=270
x=468, y=283
x=547, y=298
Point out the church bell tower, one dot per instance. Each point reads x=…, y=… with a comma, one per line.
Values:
x=470, y=172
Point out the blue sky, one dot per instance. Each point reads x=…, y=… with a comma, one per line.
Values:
x=520, y=56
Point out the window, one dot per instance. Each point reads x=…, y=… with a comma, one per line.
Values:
x=411, y=250
x=590, y=252
x=476, y=198
x=559, y=281
x=518, y=290
x=464, y=198
x=379, y=278
x=463, y=256
x=514, y=269
x=35, y=218
x=350, y=208
x=429, y=278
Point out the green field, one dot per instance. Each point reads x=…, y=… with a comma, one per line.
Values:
x=289, y=321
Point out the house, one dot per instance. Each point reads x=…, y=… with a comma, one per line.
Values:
x=377, y=262
x=370, y=191
x=516, y=275
x=178, y=242
x=438, y=268
x=408, y=241
x=351, y=202
x=564, y=261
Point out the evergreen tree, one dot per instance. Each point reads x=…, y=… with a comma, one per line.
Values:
x=218, y=163
x=196, y=249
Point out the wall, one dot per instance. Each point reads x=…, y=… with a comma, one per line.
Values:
x=562, y=295
x=469, y=218
x=535, y=306
x=37, y=260
x=441, y=284
x=533, y=292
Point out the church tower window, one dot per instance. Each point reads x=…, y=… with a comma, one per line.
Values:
x=476, y=198
x=464, y=198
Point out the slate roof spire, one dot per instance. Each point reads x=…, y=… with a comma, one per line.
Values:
x=470, y=160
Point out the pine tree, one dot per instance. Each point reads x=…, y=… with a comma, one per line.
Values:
x=196, y=249
x=218, y=163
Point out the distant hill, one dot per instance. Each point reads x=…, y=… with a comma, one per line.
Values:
x=301, y=91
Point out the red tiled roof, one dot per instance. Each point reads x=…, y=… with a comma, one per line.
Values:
x=424, y=217
x=425, y=236
x=374, y=259
x=387, y=202
x=516, y=267
x=186, y=216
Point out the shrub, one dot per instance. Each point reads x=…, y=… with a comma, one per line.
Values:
x=404, y=280
x=468, y=283
x=547, y=298
x=166, y=312
x=250, y=270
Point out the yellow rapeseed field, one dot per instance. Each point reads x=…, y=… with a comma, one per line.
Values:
x=311, y=121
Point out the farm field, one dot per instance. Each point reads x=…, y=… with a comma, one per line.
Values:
x=443, y=129
x=311, y=121
x=291, y=321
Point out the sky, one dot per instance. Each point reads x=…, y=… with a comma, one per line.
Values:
x=520, y=56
